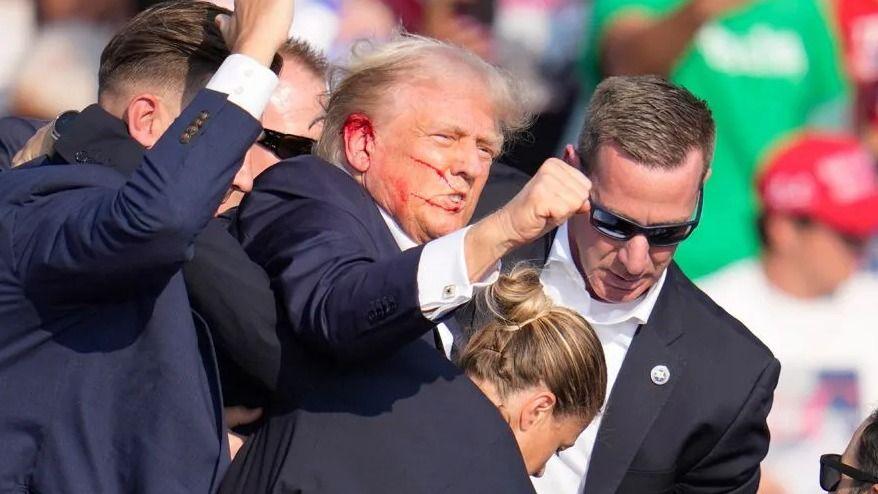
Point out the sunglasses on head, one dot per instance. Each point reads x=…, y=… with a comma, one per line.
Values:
x=616, y=227
x=831, y=469
x=285, y=146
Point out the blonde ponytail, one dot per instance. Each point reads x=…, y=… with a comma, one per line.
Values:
x=532, y=342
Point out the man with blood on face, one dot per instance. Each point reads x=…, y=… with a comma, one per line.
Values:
x=369, y=256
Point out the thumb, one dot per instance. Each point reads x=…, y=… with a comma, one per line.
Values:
x=571, y=157
x=226, y=25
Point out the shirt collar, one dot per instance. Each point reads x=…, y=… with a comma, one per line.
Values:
x=561, y=271
x=402, y=240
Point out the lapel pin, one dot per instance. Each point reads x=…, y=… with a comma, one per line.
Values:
x=660, y=374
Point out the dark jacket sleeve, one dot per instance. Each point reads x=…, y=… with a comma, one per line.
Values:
x=86, y=241
x=341, y=297
x=732, y=466
x=232, y=294
x=14, y=133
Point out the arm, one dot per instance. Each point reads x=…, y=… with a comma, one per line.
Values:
x=339, y=297
x=98, y=238
x=94, y=241
x=14, y=134
x=347, y=301
x=732, y=466
x=233, y=295
x=635, y=43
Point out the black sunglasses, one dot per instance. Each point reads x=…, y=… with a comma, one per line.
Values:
x=616, y=227
x=285, y=145
x=831, y=469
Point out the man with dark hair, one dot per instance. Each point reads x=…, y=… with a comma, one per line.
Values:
x=688, y=386
x=116, y=388
x=855, y=471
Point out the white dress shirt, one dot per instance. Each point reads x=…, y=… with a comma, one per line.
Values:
x=248, y=83
x=443, y=278
x=615, y=325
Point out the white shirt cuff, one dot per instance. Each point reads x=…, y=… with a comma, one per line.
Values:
x=443, y=278
x=248, y=83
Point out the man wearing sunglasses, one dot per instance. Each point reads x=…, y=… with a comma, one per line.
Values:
x=855, y=471
x=689, y=387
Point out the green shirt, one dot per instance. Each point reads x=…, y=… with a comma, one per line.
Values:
x=765, y=70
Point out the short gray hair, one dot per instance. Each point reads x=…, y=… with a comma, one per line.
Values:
x=375, y=70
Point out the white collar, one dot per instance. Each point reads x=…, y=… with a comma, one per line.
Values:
x=402, y=240
x=565, y=285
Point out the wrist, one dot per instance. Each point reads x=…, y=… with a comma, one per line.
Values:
x=256, y=50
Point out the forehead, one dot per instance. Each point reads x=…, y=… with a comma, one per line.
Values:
x=644, y=194
x=457, y=99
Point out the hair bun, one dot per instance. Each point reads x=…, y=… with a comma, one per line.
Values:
x=518, y=298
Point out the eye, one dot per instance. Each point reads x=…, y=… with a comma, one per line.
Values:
x=487, y=152
x=443, y=138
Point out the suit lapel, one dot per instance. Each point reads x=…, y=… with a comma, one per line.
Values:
x=636, y=399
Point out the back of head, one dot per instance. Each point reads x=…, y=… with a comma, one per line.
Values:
x=174, y=46
x=532, y=342
x=375, y=71
x=652, y=120
x=867, y=450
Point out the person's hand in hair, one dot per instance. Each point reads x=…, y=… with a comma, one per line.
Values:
x=40, y=144
x=258, y=28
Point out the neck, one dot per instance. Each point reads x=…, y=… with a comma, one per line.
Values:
x=786, y=275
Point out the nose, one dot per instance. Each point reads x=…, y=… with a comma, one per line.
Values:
x=243, y=180
x=634, y=255
x=469, y=161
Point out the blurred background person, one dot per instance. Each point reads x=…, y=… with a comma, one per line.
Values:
x=764, y=67
x=541, y=364
x=805, y=298
x=855, y=471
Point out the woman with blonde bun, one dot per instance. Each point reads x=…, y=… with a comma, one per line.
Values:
x=541, y=364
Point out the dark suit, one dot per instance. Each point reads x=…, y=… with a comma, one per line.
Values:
x=704, y=430
x=107, y=385
x=366, y=402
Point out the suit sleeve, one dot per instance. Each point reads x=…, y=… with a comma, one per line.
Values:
x=339, y=298
x=88, y=242
x=732, y=466
x=233, y=295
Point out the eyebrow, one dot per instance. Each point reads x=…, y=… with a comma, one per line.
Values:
x=494, y=142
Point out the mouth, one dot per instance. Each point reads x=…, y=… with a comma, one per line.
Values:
x=621, y=283
x=452, y=203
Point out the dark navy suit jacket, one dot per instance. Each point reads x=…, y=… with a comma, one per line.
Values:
x=366, y=403
x=106, y=384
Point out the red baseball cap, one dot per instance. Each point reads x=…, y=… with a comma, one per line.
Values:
x=824, y=176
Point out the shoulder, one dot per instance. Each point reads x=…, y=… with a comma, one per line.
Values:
x=709, y=329
x=306, y=194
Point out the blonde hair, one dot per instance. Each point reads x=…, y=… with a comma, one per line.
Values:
x=533, y=342
x=374, y=73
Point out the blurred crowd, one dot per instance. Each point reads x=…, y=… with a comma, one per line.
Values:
x=786, y=240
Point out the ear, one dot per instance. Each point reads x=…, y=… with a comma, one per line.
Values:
x=359, y=141
x=143, y=118
x=781, y=232
x=537, y=410
x=707, y=175
x=571, y=157
x=874, y=489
